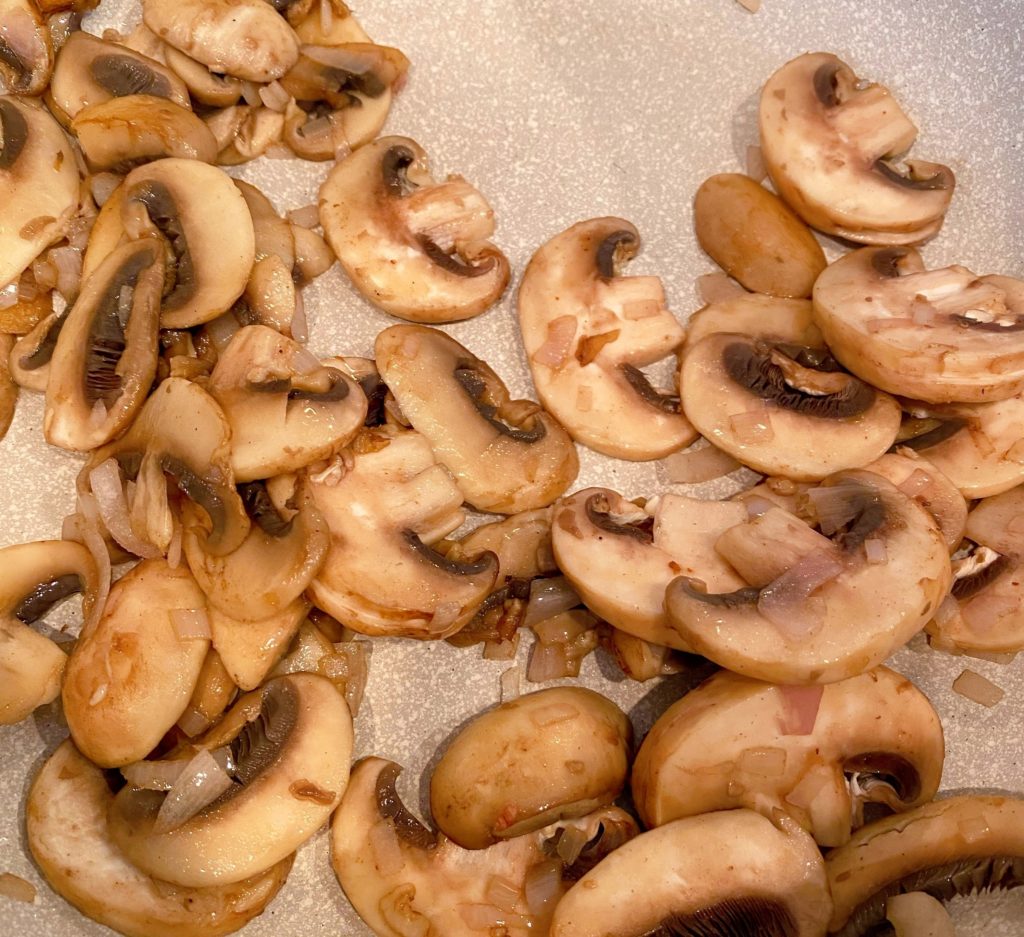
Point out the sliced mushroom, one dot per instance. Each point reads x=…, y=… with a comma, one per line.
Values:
x=405, y=879
x=588, y=331
x=829, y=142
x=387, y=501
x=415, y=248
x=244, y=133
x=66, y=817
x=39, y=187
x=506, y=455
x=250, y=649
x=886, y=568
x=547, y=756
x=818, y=753
x=29, y=359
x=8, y=384
x=733, y=872
x=213, y=693
x=764, y=317
x=36, y=577
x=935, y=335
x=26, y=52
x=783, y=409
x=104, y=360
x=206, y=86
x=290, y=746
x=951, y=847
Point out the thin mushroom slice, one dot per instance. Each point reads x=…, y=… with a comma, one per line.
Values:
x=36, y=577
x=830, y=142
x=819, y=753
x=66, y=818
x=387, y=501
x=403, y=878
x=588, y=331
x=206, y=86
x=940, y=336
x=30, y=357
x=26, y=50
x=250, y=649
x=413, y=247
x=958, y=846
x=763, y=317
x=506, y=455
x=105, y=357
x=783, y=409
x=733, y=872
x=288, y=747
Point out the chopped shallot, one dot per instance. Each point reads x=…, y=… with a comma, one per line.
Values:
x=549, y=597
x=192, y=722
x=9, y=296
x=107, y=487
x=799, y=709
x=752, y=427
x=558, y=344
x=543, y=885
x=509, y=683
x=834, y=506
x=547, y=662
x=502, y=893
x=756, y=506
x=89, y=529
x=274, y=96
x=696, y=465
x=787, y=602
x=874, y=550
x=978, y=689
x=154, y=775
x=200, y=783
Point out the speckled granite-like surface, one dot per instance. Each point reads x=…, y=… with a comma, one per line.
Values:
x=558, y=112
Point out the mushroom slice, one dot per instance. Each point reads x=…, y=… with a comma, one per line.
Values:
x=36, y=577
x=66, y=817
x=784, y=409
x=886, y=570
x=588, y=331
x=405, y=879
x=415, y=248
x=246, y=39
x=506, y=455
x=39, y=187
x=250, y=649
x=957, y=846
x=818, y=753
x=829, y=141
x=26, y=51
x=290, y=746
x=285, y=409
x=29, y=359
x=550, y=755
x=387, y=501
x=734, y=872
x=620, y=557
x=763, y=317
x=132, y=674
x=939, y=336
x=104, y=360
x=205, y=86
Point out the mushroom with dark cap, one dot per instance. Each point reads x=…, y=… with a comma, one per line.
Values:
x=26, y=50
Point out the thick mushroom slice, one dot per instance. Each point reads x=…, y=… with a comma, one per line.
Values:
x=288, y=748
x=829, y=142
x=66, y=818
x=403, y=878
x=506, y=455
x=734, y=872
x=784, y=409
x=36, y=577
x=285, y=409
x=387, y=501
x=764, y=317
x=620, y=557
x=26, y=51
x=819, y=753
x=957, y=846
x=939, y=336
x=819, y=608
x=104, y=360
x=588, y=331
x=414, y=247
x=39, y=187
x=250, y=649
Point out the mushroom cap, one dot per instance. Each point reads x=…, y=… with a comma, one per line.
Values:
x=556, y=753
x=736, y=742
x=827, y=140
x=735, y=868
x=612, y=326
x=939, y=336
x=26, y=50
x=506, y=455
x=292, y=743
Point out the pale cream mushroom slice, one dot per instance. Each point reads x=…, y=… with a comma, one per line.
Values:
x=250, y=649
x=940, y=336
x=413, y=247
x=821, y=607
x=244, y=132
x=37, y=576
x=206, y=86
x=784, y=409
x=387, y=501
x=588, y=331
x=506, y=455
x=831, y=142
x=953, y=847
x=286, y=410
x=288, y=748
x=403, y=878
x=26, y=50
x=39, y=186
x=766, y=317
x=819, y=753
x=729, y=872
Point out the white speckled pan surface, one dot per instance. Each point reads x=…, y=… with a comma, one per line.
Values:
x=560, y=111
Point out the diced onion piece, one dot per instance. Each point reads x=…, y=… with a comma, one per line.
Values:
x=9, y=296
x=563, y=628
x=947, y=612
x=765, y=762
x=752, y=427
x=716, y=287
x=800, y=706
x=28, y=289
x=756, y=506
x=93, y=540
x=549, y=597
x=922, y=312
x=756, y=168
x=696, y=465
x=200, y=783
x=299, y=326
x=543, y=886
x=874, y=550
x=386, y=849
x=548, y=662
x=191, y=624
x=102, y=185
x=571, y=843
x=787, y=601
x=978, y=689
x=916, y=482
x=193, y=722
x=306, y=217
x=500, y=650
x=834, y=506
x=106, y=485
x=154, y=775
x=509, y=683
x=275, y=97
x=918, y=914
x=973, y=828
x=502, y=893
x=16, y=888
x=67, y=261
x=251, y=93
x=557, y=345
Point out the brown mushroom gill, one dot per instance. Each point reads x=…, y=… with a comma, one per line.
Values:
x=12, y=60
x=468, y=377
x=965, y=587
x=636, y=379
x=613, y=250
x=886, y=263
x=742, y=916
x=163, y=212
x=45, y=596
x=482, y=563
x=261, y=510
x=194, y=486
x=260, y=742
x=390, y=807
x=875, y=770
x=393, y=166
x=937, y=431
x=911, y=180
x=599, y=514
x=43, y=352
x=13, y=134
x=452, y=264
x=122, y=75
x=826, y=84
x=337, y=388
x=737, y=599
